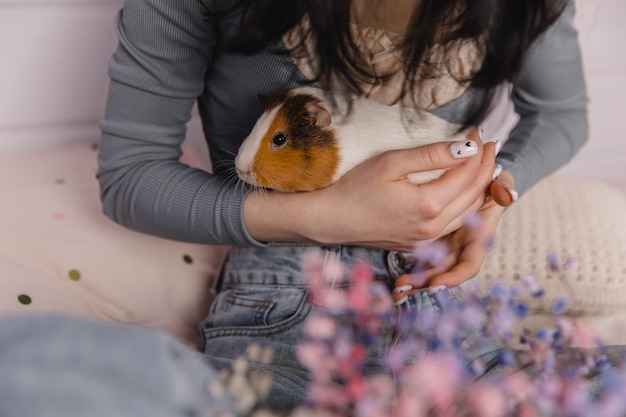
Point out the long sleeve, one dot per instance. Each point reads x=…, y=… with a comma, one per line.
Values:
x=550, y=96
x=157, y=74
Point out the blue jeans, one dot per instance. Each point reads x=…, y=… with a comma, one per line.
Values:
x=262, y=299
x=56, y=366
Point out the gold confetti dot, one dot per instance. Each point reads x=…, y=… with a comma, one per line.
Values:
x=74, y=275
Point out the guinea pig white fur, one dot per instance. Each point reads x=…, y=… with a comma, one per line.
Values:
x=297, y=144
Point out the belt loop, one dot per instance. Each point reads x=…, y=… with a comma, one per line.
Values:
x=399, y=263
x=332, y=263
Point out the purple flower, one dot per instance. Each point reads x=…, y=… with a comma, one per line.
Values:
x=571, y=263
x=432, y=255
x=424, y=373
x=559, y=306
x=554, y=262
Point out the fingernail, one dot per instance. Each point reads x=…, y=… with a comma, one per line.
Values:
x=401, y=301
x=480, y=133
x=463, y=149
x=498, y=146
x=403, y=289
x=513, y=194
x=435, y=290
x=496, y=172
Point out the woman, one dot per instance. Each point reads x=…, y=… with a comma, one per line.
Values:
x=442, y=57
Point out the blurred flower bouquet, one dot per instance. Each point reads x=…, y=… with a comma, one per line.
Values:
x=424, y=372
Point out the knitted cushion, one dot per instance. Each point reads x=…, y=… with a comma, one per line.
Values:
x=570, y=234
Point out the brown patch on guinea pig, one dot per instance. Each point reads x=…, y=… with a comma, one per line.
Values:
x=269, y=101
x=309, y=157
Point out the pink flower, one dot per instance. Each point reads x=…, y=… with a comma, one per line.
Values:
x=320, y=327
x=430, y=376
x=436, y=377
x=486, y=400
x=527, y=410
x=410, y=405
x=377, y=398
x=571, y=263
x=518, y=386
x=328, y=396
x=358, y=297
x=356, y=387
x=583, y=336
x=316, y=358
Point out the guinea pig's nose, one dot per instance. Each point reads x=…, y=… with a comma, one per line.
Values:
x=245, y=173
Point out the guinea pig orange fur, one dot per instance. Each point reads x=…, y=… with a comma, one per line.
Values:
x=298, y=145
x=294, y=150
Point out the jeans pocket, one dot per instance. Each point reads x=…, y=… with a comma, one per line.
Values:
x=255, y=311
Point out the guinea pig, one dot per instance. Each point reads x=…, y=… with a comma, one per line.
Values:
x=297, y=144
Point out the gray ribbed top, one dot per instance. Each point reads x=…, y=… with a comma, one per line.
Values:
x=168, y=58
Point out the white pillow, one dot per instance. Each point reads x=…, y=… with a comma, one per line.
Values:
x=581, y=226
x=59, y=253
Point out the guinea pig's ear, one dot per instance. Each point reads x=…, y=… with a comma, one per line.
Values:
x=318, y=113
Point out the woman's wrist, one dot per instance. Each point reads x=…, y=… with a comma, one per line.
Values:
x=279, y=217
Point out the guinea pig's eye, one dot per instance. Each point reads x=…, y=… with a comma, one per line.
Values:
x=279, y=140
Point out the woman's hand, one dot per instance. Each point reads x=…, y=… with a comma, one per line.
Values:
x=467, y=246
x=375, y=205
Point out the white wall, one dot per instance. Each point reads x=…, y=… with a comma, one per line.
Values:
x=602, y=34
x=53, y=81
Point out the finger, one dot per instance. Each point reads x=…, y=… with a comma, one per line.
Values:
x=440, y=155
x=469, y=264
x=470, y=197
x=406, y=285
x=400, y=294
x=502, y=190
x=403, y=282
x=409, y=283
x=462, y=219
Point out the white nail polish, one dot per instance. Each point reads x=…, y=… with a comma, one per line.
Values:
x=513, y=194
x=435, y=290
x=496, y=172
x=463, y=148
x=403, y=289
x=498, y=147
x=480, y=133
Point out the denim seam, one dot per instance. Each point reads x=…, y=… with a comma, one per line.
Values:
x=262, y=331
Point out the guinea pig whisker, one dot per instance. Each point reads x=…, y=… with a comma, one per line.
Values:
x=230, y=153
x=233, y=178
x=224, y=163
x=231, y=175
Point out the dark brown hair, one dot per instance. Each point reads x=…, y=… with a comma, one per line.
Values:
x=505, y=28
